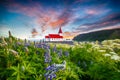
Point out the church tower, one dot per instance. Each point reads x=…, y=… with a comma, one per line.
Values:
x=60, y=32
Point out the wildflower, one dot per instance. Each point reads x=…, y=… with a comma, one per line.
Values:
x=61, y=66
x=27, y=44
x=13, y=52
x=51, y=76
x=39, y=46
x=3, y=44
x=107, y=55
x=48, y=51
x=66, y=53
x=60, y=53
x=102, y=51
x=47, y=55
x=54, y=49
x=54, y=68
x=115, y=57
x=26, y=50
x=47, y=60
x=45, y=47
x=48, y=46
x=10, y=40
x=3, y=40
x=19, y=43
x=113, y=53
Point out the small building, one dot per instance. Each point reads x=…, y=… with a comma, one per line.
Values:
x=55, y=37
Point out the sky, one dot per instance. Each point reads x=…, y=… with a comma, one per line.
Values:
x=37, y=18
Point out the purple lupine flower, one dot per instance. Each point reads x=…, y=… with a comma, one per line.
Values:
x=47, y=55
x=19, y=43
x=47, y=58
x=54, y=48
x=54, y=68
x=48, y=68
x=66, y=53
x=44, y=45
x=48, y=46
x=38, y=46
x=27, y=44
x=51, y=67
x=60, y=53
x=51, y=76
x=48, y=50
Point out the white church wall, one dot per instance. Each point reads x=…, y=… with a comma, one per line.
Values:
x=54, y=39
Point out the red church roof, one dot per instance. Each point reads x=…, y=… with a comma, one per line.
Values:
x=46, y=36
x=60, y=30
x=53, y=36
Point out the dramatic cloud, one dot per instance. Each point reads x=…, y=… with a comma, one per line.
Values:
x=107, y=21
x=45, y=18
x=74, y=16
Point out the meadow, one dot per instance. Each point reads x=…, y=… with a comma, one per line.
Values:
x=25, y=60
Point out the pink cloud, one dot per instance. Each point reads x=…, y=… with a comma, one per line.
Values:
x=91, y=11
x=44, y=18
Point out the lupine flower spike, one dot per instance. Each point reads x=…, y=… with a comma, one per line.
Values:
x=54, y=68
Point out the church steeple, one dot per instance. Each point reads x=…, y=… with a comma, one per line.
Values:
x=60, y=31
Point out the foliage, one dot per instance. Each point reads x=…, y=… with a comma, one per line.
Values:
x=25, y=60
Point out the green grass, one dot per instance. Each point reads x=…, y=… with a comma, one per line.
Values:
x=86, y=60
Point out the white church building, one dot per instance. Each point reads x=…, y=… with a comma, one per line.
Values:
x=55, y=37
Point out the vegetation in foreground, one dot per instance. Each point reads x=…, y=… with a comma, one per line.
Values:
x=24, y=60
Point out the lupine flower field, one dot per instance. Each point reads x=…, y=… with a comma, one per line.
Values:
x=26, y=60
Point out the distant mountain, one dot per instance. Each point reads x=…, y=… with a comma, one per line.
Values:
x=99, y=35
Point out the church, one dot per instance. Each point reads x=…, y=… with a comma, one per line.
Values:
x=55, y=37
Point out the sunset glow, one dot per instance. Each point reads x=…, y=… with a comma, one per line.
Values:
x=46, y=16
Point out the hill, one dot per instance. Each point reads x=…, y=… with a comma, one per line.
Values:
x=99, y=35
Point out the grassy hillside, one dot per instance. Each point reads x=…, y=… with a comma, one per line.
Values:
x=99, y=35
